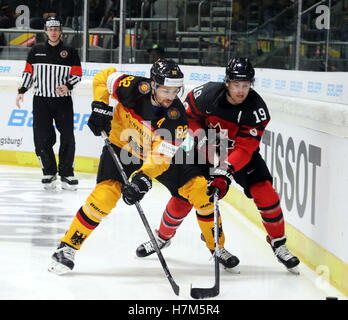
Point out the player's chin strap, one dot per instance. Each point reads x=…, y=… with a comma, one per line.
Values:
x=153, y=96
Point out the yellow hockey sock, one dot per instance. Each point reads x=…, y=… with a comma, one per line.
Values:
x=206, y=223
x=81, y=227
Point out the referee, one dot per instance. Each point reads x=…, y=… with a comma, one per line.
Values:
x=54, y=69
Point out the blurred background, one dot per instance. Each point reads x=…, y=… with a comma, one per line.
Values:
x=283, y=34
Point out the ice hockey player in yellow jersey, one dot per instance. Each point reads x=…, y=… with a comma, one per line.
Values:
x=146, y=129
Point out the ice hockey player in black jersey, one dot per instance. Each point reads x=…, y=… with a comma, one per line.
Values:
x=54, y=69
x=238, y=115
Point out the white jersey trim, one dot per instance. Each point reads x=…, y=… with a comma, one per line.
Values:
x=112, y=78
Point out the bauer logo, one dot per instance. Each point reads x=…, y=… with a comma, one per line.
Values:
x=314, y=87
x=24, y=118
x=279, y=84
x=90, y=72
x=134, y=73
x=5, y=69
x=334, y=90
x=296, y=86
x=266, y=83
x=221, y=78
x=202, y=77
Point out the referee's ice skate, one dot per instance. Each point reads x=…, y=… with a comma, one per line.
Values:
x=69, y=183
x=49, y=182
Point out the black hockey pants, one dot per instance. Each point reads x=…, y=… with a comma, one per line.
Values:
x=48, y=112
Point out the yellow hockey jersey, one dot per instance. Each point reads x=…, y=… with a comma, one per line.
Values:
x=149, y=133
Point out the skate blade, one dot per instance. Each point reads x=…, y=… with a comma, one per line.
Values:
x=50, y=186
x=294, y=270
x=58, y=268
x=234, y=270
x=66, y=186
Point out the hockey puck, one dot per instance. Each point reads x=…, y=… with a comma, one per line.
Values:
x=331, y=298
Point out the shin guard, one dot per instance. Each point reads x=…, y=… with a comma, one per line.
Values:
x=175, y=212
x=268, y=203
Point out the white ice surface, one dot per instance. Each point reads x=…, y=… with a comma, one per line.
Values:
x=33, y=220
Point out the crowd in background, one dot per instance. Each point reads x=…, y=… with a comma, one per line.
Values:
x=267, y=20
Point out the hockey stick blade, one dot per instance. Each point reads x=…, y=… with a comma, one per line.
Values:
x=175, y=287
x=203, y=293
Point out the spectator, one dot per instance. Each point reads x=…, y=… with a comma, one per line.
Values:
x=113, y=11
x=155, y=52
x=7, y=15
x=96, y=12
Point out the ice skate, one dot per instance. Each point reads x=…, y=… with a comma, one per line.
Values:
x=49, y=182
x=226, y=259
x=62, y=259
x=283, y=255
x=69, y=183
x=147, y=248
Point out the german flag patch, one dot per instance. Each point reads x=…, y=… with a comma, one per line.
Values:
x=173, y=113
x=64, y=53
x=144, y=87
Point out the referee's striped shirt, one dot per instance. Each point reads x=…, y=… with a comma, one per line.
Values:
x=49, y=67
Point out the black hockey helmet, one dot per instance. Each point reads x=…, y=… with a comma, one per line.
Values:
x=53, y=22
x=167, y=72
x=240, y=69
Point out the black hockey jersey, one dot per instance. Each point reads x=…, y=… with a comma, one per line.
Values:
x=242, y=125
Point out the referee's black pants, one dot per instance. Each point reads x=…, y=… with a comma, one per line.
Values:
x=59, y=110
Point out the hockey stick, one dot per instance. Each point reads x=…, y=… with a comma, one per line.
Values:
x=201, y=293
x=141, y=213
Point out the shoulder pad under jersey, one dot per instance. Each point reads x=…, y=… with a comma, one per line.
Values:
x=129, y=89
x=207, y=94
x=254, y=111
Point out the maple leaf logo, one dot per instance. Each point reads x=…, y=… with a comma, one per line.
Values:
x=222, y=138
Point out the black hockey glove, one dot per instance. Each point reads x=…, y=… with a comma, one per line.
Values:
x=100, y=118
x=136, y=190
x=219, y=180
